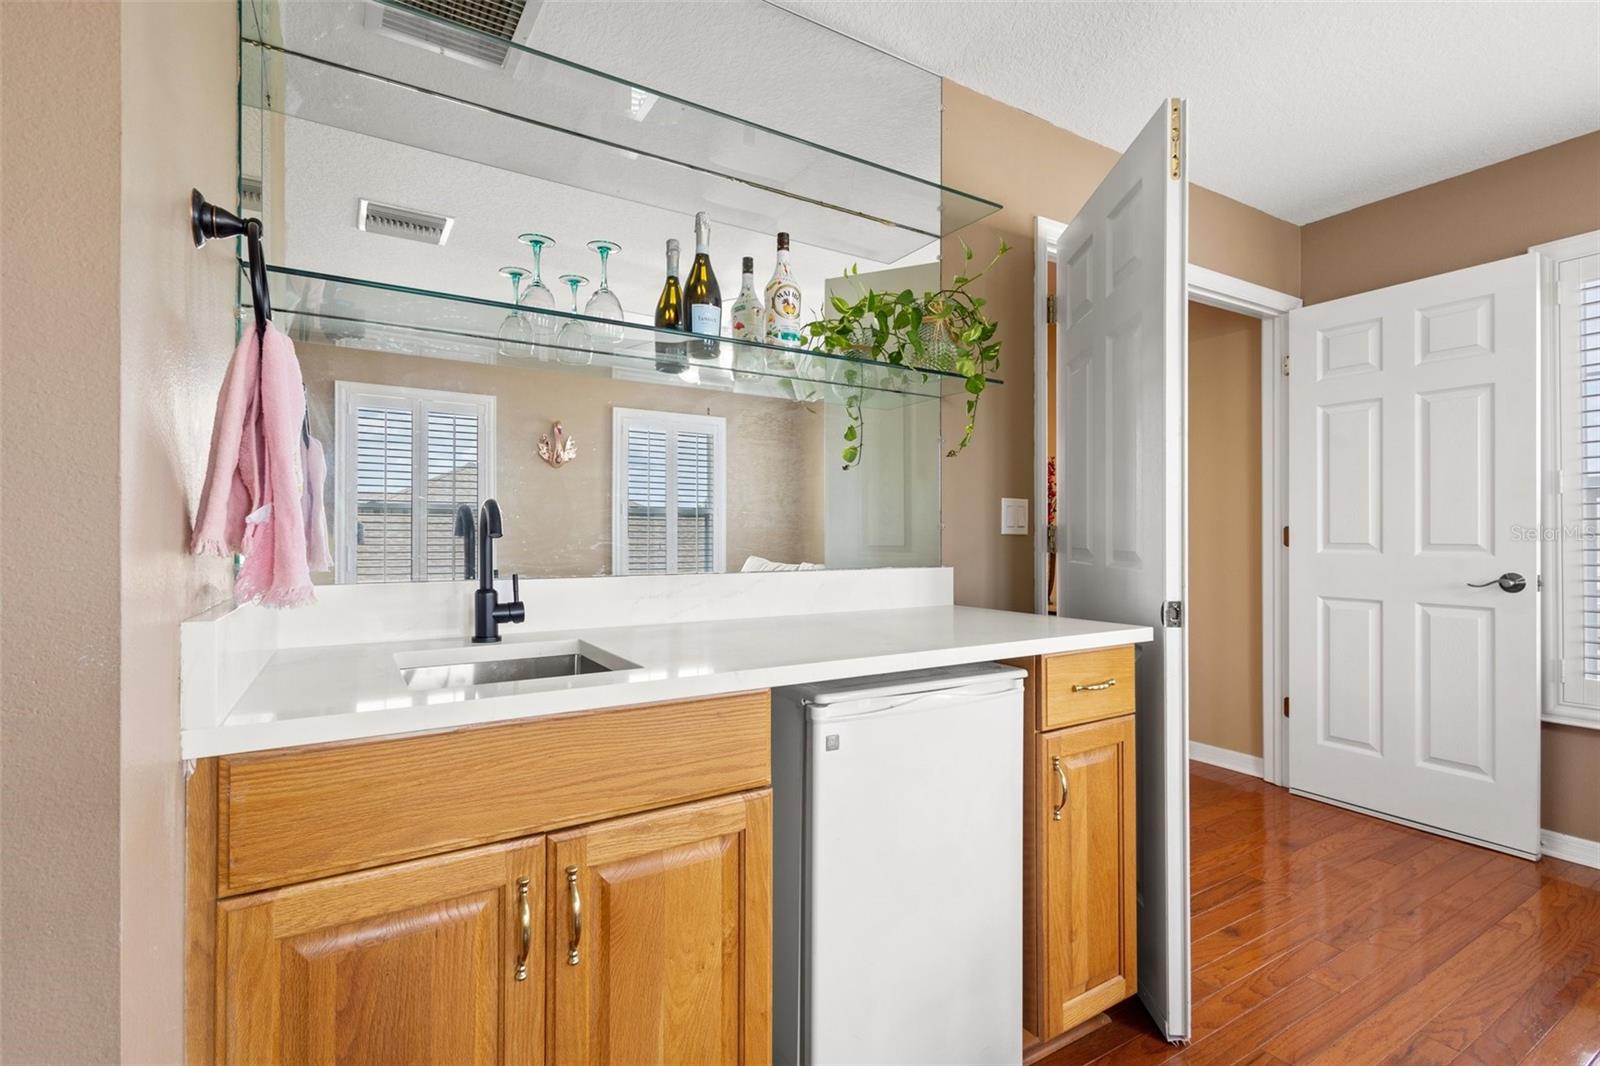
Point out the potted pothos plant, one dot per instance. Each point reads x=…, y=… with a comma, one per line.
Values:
x=945, y=330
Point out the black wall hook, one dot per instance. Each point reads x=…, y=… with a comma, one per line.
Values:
x=207, y=220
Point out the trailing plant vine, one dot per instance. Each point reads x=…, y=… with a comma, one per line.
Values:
x=944, y=330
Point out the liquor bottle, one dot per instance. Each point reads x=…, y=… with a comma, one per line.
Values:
x=701, y=293
x=747, y=322
x=671, y=355
x=783, y=308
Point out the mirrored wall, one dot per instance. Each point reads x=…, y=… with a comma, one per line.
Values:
x=400, y=158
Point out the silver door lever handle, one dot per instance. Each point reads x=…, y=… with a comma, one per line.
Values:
x=1507, y=583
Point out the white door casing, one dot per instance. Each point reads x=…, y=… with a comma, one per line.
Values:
x=1413, y=472
x=1122, y=309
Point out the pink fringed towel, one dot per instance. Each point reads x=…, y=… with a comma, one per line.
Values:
x=257, y=493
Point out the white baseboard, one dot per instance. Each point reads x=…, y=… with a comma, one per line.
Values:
x=1572, y=849
x=1237, y=761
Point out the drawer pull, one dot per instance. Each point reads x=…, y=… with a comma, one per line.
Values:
x=575, y=903
x=1098, y=686
x=1061, y=779
x=525, y=917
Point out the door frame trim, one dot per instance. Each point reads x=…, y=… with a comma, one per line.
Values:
x=1271, y=307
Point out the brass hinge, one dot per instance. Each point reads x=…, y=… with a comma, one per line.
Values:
x=1050, y=308
x=1285, y=536
x=1177, y=138
x=1286, y=706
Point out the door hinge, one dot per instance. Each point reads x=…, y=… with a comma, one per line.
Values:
x=1050, y=308
x=1051, y=537
x=1172, y=614
x=1285, y=364
x=1285, y=536
x=1177, y=138
x=1286, y=706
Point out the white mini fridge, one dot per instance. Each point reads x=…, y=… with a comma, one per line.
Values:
x=897, y=822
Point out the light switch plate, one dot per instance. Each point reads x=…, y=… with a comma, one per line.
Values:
x=1013, y=516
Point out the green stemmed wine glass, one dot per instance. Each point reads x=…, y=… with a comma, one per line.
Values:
x=536, y=295
x=603, y=303
x=516, y=331
x=572, y=343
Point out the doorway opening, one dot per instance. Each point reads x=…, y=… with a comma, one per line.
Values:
x=1224, y=605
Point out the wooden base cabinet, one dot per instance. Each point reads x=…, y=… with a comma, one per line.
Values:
x=416, y=963
x=662, y=933
x=629, y=921
x=1080, y=907
x=1088, y=910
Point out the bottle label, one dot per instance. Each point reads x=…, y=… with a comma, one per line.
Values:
x=786, y=303
x=706, y=319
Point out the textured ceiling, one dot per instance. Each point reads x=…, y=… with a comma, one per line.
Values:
x=1300, y=109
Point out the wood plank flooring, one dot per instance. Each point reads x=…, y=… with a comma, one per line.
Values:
x=1328, y=937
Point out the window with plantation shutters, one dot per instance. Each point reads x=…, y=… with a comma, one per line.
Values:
x=1577, y=425
x=405, y=460
x=668, y=474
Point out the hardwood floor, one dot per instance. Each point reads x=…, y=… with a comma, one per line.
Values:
x=1324, y=936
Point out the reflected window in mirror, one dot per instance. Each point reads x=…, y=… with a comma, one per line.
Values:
x=668, y=487
x=405, y=460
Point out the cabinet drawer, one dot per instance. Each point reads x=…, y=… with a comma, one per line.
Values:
x=1086, y=686
x=291, y=816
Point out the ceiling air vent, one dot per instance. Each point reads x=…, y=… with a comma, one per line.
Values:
x=475, y=31
x=404, y=222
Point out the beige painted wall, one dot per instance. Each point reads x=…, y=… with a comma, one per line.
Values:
x=179, y=112
x=1224, y=623
x=1477, y=217
x=60, y=145
x=1034, y=168
x=558, y=520
x=113, y=339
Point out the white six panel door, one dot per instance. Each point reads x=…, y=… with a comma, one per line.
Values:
x=1123, y=300
x=1413, y=474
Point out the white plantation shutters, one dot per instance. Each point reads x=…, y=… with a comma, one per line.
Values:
x=668, y=477
x=1577, y=346
x=452, y=477
x=381, y=498
x=405, y=460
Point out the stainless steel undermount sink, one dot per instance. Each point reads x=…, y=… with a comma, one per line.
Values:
x=514, y=661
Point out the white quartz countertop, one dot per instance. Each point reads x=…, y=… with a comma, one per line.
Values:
x=357, y=691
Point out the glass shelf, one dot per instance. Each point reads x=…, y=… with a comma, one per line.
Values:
x=536, y=114
x=350, y=312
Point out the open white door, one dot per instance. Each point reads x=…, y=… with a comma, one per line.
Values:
x=1122, y=310
x=1413, y=487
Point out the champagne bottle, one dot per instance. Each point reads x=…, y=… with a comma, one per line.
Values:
x=701, y=293
x=671, y=356
x=783, y=308
x=747, y=322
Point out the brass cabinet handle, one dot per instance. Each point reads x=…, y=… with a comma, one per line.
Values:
x=1098, y=686
x=575, y=903
x=1061, y=779
x=525, y=916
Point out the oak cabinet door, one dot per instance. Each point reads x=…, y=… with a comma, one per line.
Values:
x=661, y=936
x=1085, y=815
x=415, y=963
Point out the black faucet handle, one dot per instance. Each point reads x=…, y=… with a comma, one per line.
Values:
x=515, y=612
